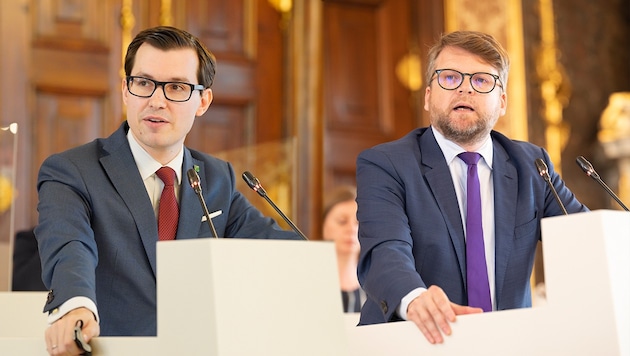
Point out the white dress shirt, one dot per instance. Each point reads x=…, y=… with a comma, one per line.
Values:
x=459, y=173
x=147, y=166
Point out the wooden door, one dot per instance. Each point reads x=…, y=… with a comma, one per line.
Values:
x=365, y=99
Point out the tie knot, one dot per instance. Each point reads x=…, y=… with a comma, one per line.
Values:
x=471, y=158
x=167, y=175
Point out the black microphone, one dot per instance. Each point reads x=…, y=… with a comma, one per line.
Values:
x=587, y=167
x=544, y=172
x=254, y=183
x=195, y=183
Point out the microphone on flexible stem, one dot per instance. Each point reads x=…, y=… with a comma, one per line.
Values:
x=195, y=183
x=587, y=167
x=544, y=172
x=254, y=183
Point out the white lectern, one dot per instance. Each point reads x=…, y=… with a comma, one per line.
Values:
x=218, y=297
x=249, y=297
x=252, y=297
x=587, y=277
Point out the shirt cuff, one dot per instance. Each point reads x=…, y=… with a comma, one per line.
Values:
x=71, y=304
x=406, y=300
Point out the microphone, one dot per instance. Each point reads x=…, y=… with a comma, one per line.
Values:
x=544, y=172
x=193, y=179
x=587, y=167
x=255, y=185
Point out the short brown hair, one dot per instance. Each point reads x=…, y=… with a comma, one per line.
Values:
x=165, y=38
x=338, y=195
x=478, y=43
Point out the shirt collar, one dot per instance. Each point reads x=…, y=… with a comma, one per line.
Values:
x=450, y=149
x=147, y=165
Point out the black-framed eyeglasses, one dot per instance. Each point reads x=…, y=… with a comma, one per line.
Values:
x=174, y=91
x=451, y=79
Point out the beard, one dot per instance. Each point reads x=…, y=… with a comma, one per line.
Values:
x=464, y=132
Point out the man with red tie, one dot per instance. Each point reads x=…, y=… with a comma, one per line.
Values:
x=103, y=205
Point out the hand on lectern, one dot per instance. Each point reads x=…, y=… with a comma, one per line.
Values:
x=433, y=312
x=60, y=338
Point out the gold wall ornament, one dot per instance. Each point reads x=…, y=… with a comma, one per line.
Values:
x=283, y=6
x=409, y=72
x=7, y=194
x=555, y=87
x=166, y=13
x=614, y=137
x=615, y=119
x=503, y=19
x=127, y=22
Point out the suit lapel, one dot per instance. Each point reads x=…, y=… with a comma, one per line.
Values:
x=190, y=211
x=505, y=196
x=120, y=166
x=438, y=177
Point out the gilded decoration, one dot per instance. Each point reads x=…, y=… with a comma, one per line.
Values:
x=614, y=136
x=503, y=20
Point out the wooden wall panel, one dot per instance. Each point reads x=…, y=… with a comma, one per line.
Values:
x=364, y=102
x=221, y=129
x=272, y=75
x=247, y=112
x=350, y=65
x=71, y=23
x=79, y=72
x=74, y=80
x=220, y=26
x=74, y=120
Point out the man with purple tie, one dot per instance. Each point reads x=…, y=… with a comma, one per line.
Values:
x=449, y=215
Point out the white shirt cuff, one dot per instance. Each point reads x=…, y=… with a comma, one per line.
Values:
x=71, y=304
x=406, y=300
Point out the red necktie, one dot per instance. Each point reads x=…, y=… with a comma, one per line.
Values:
x=476, y=272
x=168, y=215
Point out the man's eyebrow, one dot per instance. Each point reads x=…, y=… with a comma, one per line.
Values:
x=172, y=79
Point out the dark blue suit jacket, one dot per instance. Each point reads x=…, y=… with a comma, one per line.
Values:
x=97, y=230
x=411, y=231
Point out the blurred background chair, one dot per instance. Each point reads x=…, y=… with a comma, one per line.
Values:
x=27, y=268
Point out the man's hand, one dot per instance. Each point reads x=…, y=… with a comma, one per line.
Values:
x=432, y=312
x=60, y=335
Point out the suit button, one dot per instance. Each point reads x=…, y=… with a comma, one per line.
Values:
x=384, y=307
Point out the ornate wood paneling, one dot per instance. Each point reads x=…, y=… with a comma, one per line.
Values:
x=246, y=123
x=72, y=24
x=74, y=76
x=225, y=29
x=220, y=26
x=364, y=101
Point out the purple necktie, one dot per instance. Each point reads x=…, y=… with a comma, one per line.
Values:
x=476, y=272
x=168, y=214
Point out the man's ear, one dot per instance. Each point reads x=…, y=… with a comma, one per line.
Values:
x=206, y=100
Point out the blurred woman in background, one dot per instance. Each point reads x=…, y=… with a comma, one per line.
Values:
x=341, y=226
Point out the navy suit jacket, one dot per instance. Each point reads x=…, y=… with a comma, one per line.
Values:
x=411, y=231
x=97, y=229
